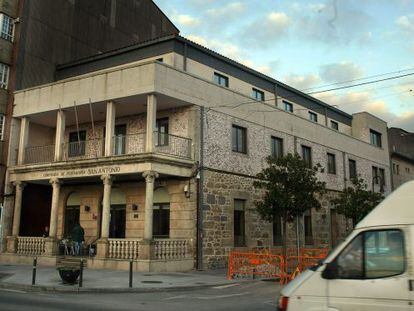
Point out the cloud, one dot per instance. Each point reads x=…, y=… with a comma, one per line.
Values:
x=264, y=31
x=186, y=20
x=302, y=82
x=353, y=102
x=406, y=23
x=227, y=10
x=339, y=72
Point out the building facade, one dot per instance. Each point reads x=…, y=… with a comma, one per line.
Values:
x=401, y=146
x=154, y=148
x=35, y=36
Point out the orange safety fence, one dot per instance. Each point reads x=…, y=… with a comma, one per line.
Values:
x=270, y=263
x=255, y=264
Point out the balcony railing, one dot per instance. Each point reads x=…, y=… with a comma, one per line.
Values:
x=122, y=145
x=123, y=249
x=39, y=154
x=30, y=245
x=167, y=249
x=86, y=149
x=172, y=145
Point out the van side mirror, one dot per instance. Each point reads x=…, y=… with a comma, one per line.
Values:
x=331, y=271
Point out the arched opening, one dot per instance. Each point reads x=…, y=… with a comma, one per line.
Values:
x=72, y=212
x=118, y=214
x=161, y=213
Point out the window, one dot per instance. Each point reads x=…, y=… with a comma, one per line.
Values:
x=352, y=169
x=162, y=132
x=77, y=143
x=221, y=80
x=239, y=139
x=378, y=176
x=7, y=26
x=313, y=116
x=257, y=94
x=161, y=60
x=239, y=223
x=396, y=169
x=4, y=75
x=2, y=124
x=277, y=147
x=161, y=220
x=371, y=255
x=288, y=106
x=375, y=138
x=334, y=125
x=307, y=155
x=277, y=231
x=307, y=222
x=120, y=139
x=407, y=169
x=331, y=163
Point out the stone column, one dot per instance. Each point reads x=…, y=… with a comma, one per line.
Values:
x=51, y=247
x=151, y=122
x=60, y=135
x=102, y=250
x=55, y=182
x=24, y=138
x=110, y=128
x=17, y=207
x=150, y=177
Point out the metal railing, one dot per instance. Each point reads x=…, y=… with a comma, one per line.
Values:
x=129, y=144
x=123, y=249
x=172, y=145
x=168, y=249
x=86, y=149
x=39, y=154
x=30, y=245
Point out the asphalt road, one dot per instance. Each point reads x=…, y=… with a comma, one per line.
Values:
x=244, y=296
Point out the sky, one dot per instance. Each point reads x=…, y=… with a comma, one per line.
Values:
x=315, y=45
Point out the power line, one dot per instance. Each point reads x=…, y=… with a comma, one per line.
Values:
x=363, y=83
x=359, y=79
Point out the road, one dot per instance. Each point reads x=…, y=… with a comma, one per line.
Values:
x=244, y=296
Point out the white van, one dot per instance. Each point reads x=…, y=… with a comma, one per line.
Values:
x=371, y=270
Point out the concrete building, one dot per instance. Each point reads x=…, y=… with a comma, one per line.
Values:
x=35, y=36
x=401, y=146
x=154, y=148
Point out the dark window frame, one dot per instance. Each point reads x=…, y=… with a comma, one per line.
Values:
x=286, y=105
x=375, y=138
x=309, y=161
x=313, y=116
x=162, y=138
x=258, y=94
x=334, y=125
x=352, y=175
x=220, y=79
x=237, y=130
x=240, y=215
x=308, y=228
x=331, y=165
x=276, y=152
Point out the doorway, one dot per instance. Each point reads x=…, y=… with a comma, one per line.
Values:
x=72, y=213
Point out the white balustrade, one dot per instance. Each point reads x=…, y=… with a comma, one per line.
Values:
x=30, y=245
x=168, y=249
x=123, y=248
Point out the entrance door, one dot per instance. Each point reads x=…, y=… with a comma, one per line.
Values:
x=77, y=144
x=162, y=132
x=120, y=136
x=72, y=214
x=371, y=273
x=117, y=224
x=161, y=220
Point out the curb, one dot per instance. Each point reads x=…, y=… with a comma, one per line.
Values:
x=80, y=290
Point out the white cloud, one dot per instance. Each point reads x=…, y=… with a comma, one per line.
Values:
x=186, y=20
x=231, y=8
x=339, y=72
x=302, y=82
x=406, y=23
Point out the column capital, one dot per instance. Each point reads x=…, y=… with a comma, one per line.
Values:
x=150, y=176
x=19, y=183
x=107, y=179
x=54, y=181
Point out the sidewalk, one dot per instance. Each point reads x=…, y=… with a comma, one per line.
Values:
x=48, y=279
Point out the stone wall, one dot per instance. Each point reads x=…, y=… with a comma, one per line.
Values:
x=220, y=190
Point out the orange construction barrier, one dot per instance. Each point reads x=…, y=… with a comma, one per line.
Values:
x=255, y=264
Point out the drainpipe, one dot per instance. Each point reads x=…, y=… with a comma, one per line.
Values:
x=200, y=180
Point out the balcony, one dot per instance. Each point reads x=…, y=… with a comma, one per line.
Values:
x=133, y=144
